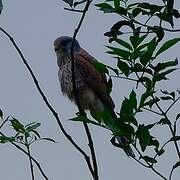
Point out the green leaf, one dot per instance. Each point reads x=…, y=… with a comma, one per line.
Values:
x=136, y=11
x=136, y=40
x=33, y=126
x=167, y=45
x=109, y=86
x=159, y=32
x=164, y=121
x=18, y=127
x=139, y=68
x=144, y=97
x=48, y=139
x=149, y=159
x=123, y=67
x=176, y=13
x=105, y=7
x=162, y=66
x=100, y=67
x=133, y=100
x=162, y=76
x=116, y=4
x=1, y=114
x=70, y=2
x=176, y=165
x=151, y=102
x=1, y=6
x=121, y=42
x=175, y=138
x=36, y=133
x=114, y=70
x=178, y=116
x=166, y=98
x=81, y=119
x=119, y=52
x=4, y=139
x=124, y=129
x=159, y=152
x=147, y=56
x=144, y=137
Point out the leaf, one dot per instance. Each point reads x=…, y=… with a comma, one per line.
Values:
x=147, y=56
x=109, y=86
x=100, y=67
x=178, y=116
x=119, y=52
x=159, y=152
x=1, y=114
x=159, y=32
x=162, y=66
x=36, y=133
x=162, y=76
x=123, y=67
x=114, y=70
x=133, y=100
x=139, y=68
x=105, y=7
x=151, y=102
x=175, y=138
x=33, y=127
x=149, y=159
x=48, y=139
x=143, y=135
x=176, y=13
x=4, y=139
x=118, y=25
x=121, y=42
x=144, y=97
x=70, y=2
x=80, y=118
x=18, y=127
x=167, y=45
x=1, y=6
x=176, y=165
x=163, y=121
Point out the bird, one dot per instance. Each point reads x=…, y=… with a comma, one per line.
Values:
x=91, y=84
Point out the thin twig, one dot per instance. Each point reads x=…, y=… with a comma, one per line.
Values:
x=170, y=127
x=74, y=10
x=121, y=77
x=33, y=159
x=170, y=175
x=149, y=165
x=76, y=94
x=55, y=114
x=155, y=112
x=172, y=105
x=30, y=162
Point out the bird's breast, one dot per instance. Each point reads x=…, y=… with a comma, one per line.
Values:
x=65, y=78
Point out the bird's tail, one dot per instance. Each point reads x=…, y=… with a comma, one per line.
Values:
x=124, y=144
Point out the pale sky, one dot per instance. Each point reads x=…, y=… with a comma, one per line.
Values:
x=34, y=25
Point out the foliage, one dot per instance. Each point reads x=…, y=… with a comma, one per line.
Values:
x=136, y=41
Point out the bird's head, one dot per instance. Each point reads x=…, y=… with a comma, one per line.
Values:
x=62, y=45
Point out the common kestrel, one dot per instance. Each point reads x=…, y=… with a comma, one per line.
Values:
x=90, y=83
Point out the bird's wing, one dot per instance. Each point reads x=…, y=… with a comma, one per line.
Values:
x=93, y=78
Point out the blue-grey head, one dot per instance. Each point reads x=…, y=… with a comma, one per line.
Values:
x=62, y=45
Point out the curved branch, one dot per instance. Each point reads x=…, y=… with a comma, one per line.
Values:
x=32, y=158
x=76, y=94
x=55, y=114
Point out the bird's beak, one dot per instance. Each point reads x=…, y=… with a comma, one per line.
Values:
x=56, y=48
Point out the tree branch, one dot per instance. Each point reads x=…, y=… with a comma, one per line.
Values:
x=55, y=114
x=76, y=94
x=32, y=158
